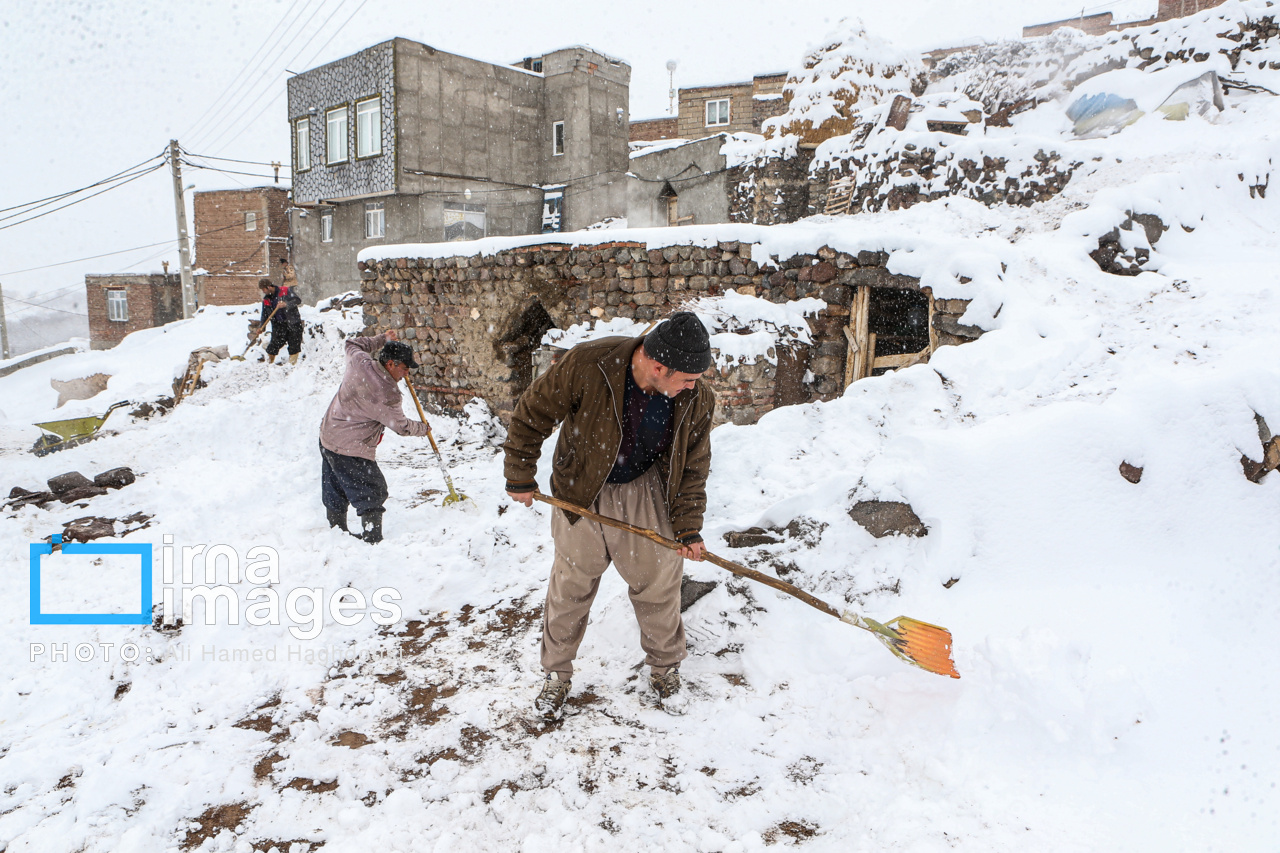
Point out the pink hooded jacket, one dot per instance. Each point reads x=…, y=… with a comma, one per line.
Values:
x=367, y=401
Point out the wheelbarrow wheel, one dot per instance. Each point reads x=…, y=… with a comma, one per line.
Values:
x=46, y=444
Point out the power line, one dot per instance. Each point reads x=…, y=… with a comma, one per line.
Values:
x=223, y=100
x=45, y=202
x=233, y=160
x=342, y=27
x=45, y=307
x=89, y=258
x=187, y=162
x=269, y=90
x=271, y=79
x=85, y=198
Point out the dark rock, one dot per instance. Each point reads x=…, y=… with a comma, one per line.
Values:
x=822, y=273
x=882, y=518
x=692, y=590
x=116, y=478
x=37, y=498
x=82, y=493
x=1255, y=471
x=19, y=492
x=949, y=325
x=88, y=528
x=751, y=537
x=1132, y=473
x=68, y=481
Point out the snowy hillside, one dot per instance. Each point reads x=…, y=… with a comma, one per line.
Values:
x=1115, y=639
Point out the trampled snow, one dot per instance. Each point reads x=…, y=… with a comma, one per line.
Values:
x=1115, y=640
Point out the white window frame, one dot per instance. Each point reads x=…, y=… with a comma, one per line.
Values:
x=118, y=306
x=250, y=220
x=557, y=139
x=369, y=127
x=335, y=144
x=717, y=117
x=375, y=220
x=326, y=227
x=302, y=144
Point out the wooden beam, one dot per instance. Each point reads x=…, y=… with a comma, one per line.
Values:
x=900, y=361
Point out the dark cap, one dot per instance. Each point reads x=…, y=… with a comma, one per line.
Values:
x=681, y=343
x=397, y=351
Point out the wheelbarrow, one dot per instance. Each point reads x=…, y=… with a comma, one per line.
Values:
x=59, y=435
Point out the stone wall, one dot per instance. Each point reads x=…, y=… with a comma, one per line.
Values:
x=476, y=321
x=771, y=191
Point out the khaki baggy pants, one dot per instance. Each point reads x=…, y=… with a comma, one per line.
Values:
x=653, y=573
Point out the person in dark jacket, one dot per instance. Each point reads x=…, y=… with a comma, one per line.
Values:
x=286, y=324
x=635, y=444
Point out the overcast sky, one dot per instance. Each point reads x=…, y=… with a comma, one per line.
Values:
x=93, y=88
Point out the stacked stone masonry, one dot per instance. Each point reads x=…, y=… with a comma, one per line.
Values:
x=475, y=322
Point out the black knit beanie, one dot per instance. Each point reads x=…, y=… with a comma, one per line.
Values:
x=681, y=343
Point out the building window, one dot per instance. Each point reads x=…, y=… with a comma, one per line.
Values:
x=463, y=221
x=251, y=221
x=375, y=222
x=718, y=112
x=118, y=305
x=552, y=210
x=369, y=128
x=326, y=227
x=302, y=144
x=536, y=66
x=335, y=135
x=557, y=139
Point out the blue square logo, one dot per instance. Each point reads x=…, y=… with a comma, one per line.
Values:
x=142, y=617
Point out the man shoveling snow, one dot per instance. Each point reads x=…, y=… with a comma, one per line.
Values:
x=367, y=401
x=635, y=444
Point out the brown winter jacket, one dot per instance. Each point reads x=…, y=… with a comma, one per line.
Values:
x=367, y=401
x=583, y=392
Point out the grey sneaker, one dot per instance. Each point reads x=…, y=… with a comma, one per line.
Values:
x=550, y=701
x=671, y=698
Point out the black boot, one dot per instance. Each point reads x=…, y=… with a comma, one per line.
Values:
x=371, y=522
x=337, y=519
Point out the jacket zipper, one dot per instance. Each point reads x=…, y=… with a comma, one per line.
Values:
x=614, y=397
x=675, y=428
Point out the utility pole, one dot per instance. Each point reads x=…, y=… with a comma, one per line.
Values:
x=4, y=328
x=184, y=249
x=671, y=86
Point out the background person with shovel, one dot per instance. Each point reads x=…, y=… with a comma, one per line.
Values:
x=635, y=444
x=280, y=306
x=368, y=400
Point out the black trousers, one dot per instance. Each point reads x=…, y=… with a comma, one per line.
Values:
x=285, y=333
x=351, y=481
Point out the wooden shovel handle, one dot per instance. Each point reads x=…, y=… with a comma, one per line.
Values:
x=727, y=565
x=422, y=416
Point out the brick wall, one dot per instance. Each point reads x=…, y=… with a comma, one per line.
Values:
x=474, y=322
x=653, y=129
x=152, y=300
x=235, y=258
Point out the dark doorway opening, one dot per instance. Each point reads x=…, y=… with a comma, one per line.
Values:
x=516, y=346
x=900, y=321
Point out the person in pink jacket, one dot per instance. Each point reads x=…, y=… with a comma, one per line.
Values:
x=367, y=402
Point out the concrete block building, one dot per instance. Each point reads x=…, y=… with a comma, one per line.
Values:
x=124, y=303
x=241, y=236
x=684, y=184
x=404, y=143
